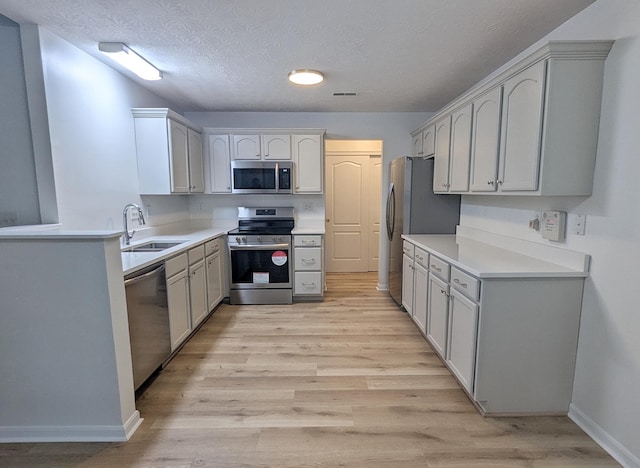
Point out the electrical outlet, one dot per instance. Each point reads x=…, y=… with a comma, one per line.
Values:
x=579, y=224
x=133, y=214
x=307, y=206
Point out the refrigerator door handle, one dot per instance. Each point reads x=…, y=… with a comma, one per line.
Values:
x=391, y=211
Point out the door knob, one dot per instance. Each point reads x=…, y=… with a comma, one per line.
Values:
x=327, y=220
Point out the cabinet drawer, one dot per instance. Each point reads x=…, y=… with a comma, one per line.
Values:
x=308, y=258
x=196, y=254
x=212, y=246
x=175, y=264
x=422, y=257
x=465, y=283
x=439, y=267
x=308, y=283
x=307, y=241
x=408, y=248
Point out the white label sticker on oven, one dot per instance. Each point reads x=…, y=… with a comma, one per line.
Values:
x=259, y=277
x=279, y=258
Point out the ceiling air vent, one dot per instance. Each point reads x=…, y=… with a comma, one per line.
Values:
x=344, y=94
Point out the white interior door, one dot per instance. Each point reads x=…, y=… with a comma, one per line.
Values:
x=347, y=213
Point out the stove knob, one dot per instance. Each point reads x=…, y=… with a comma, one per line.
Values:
x=244, y=239
x=259, y=238
x=274, y=239
x=238, y=240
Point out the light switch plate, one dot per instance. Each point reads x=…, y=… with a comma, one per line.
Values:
x=579, y=224
x=553, y=225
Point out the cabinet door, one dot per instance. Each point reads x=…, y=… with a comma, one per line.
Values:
x=214, y=280
x=463, y=324
x=407, y=284
x=429, y=140
x=276, y=147
x=196, y=159
x=245, y=147
x=437, y=314
x=420, y=296
x=178, y=142
x=417, y=145
x=308, y=160
x=219, y=161
x=485, y=141
x=179, y=309
x=198, y=292
x=522, y=111
x=441, y=159
x=460, y=149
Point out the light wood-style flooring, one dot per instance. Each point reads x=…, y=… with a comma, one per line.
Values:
x=348, y=382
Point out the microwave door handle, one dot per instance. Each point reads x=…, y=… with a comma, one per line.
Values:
x=277, y=177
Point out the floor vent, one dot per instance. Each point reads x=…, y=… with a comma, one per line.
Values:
x=344, y=94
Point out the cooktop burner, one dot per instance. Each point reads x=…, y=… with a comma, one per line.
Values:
x=266, y=221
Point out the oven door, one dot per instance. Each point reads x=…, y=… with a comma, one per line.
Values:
x=265, y=266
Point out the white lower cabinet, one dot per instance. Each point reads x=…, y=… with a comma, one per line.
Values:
x=213, y=251
x=178, y=299
x=197, y=285
x=510, y=341
x=308, y=275
x=407, y=283
x=420, y=295
x=438, y=314
x=461, y=352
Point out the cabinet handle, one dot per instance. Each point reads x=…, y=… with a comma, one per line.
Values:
x=499, y=182
x=457, y=281
x=308, y=260
x=436, y=268
x=310, y=242
x=309, y=285
x=491, y=182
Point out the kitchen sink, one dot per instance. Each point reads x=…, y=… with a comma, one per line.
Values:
x=152, y=246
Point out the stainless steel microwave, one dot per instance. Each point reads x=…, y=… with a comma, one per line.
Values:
x=261, y=177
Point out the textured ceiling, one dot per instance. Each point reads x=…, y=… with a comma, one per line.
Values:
x=234, y=55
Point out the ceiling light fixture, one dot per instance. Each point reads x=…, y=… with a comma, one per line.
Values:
x=129, y=59
x=306, y=77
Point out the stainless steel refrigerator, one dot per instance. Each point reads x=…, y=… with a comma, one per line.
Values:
x=413, y=208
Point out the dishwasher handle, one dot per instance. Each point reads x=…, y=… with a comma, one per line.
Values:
x=144, y=276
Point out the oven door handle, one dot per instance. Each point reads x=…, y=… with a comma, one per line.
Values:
x=259, y=246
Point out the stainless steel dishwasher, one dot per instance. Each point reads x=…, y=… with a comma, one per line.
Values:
x=148, y=321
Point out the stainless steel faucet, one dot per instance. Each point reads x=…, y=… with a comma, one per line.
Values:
x=128, y=236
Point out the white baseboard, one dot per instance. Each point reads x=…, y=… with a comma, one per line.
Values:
x=621, y=454
x=122, y=433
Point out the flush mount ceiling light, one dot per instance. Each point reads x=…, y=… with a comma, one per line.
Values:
x=306, y=77
x=129, y=59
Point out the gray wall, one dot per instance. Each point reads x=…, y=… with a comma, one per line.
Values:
x=18, y=187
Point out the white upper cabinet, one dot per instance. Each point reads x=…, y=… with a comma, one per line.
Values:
x=441, y=158
x=485, y=141
x=424, y=142
x=308, y=157
x=276, y=147
x=218, y=163
x=521, y=135
x=169, y=152
x=460, y=149
x=534, y=126
x=196, y=161
x=245, y=147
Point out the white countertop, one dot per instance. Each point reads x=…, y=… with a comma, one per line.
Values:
x=54, y=232
x=485, y=260
x=308, y=230
x=133, y=261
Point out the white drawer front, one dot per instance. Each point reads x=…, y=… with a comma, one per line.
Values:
x=408, y=248
x=308, y=258
x=196, y=254
x=307, y=241
x=175, y=264
x=422, y=257
x=308, y=283
x=465, y=283
x=439, y=267
x=213, y=246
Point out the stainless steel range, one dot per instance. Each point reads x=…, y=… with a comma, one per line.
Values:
x=260, y=256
